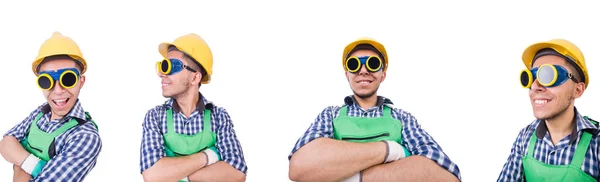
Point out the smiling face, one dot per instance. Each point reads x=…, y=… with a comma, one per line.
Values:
x=365, y=84
x=552, y=102
x=60, y=99
x=181, y=82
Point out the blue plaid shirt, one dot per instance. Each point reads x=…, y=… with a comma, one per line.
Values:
x=418, y=142
x=76, y=150
x=546, y=152
x=155, y=125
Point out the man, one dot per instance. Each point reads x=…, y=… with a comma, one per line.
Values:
x=366, y=139
x=58, y=141
x=561, y=144
x=189, y=138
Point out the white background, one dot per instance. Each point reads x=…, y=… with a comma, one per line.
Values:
x=453, y=64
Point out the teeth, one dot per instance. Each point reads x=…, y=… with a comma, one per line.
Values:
x=165, y=84
x=540, y=101
x=60, y=101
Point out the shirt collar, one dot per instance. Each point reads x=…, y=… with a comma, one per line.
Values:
x=76, y=112
x=349, y=100
x=582, y=124
x=200, y=105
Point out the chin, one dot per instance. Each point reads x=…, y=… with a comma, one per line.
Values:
x=542, y=115
x=167, y=94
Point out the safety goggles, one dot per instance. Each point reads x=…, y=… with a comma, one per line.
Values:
x=67, y=77
x=372, y=63
x=547, y=75
x=171, y=66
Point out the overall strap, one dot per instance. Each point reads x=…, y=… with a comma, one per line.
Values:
x=170, y=127
x=37, y=118
x=344, y=111
x=584, y=143
x=206, y=120
x=387, y=111
x=88, y=117
x=531, y=147
x=33, y=124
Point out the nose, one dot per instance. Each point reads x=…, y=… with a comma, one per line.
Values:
x=537, y=87
x=160, y=75
x=58, y=89
x=363, y=70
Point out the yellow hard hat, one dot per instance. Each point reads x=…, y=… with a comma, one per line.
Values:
x=365, y=40
x=59, y=45
x=194, y=46
x=563, y=47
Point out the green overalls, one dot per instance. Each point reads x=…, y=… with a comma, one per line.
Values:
x=538, y=171
x=180, y=145
x=361, y=129
x=41, y=144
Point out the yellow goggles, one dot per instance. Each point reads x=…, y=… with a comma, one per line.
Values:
x=171, y=66
x=372, y=63
x=547, y=75
x=67, y=77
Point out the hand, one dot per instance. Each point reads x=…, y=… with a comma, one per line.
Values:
x=395, y=151
x=20, y=174
x=212, y=155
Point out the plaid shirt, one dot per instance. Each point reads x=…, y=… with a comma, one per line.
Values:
x=155, y=125
x=418, y=142
x=76, y=150
x=546, y=152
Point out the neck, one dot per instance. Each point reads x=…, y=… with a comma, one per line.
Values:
x=366, y=103
x=54, y=116
x=563, y=123
x=187, y=102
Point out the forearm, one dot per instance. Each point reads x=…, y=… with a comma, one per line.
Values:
x=20, y=174
x=12, y=151
x=326, y=159
x=175, y=168
x=413, y=168
x=220, y=171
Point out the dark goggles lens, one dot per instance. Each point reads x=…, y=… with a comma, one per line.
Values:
x=45, y=82
x=68, y=79
x=164, y=66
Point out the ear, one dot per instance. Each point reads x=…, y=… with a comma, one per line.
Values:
x=196, y=78
x=81, y=81
x=383, y=76
x=346, y=73
x=579, y=89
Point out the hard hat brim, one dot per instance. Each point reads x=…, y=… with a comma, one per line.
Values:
x=530, y=51
x=163, y=48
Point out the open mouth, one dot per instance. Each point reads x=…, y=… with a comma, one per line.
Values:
x=61, y=103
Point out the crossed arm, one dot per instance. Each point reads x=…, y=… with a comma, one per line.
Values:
x=13, y=152
x=344, y=159
x=81, y=149
x=192, y=166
